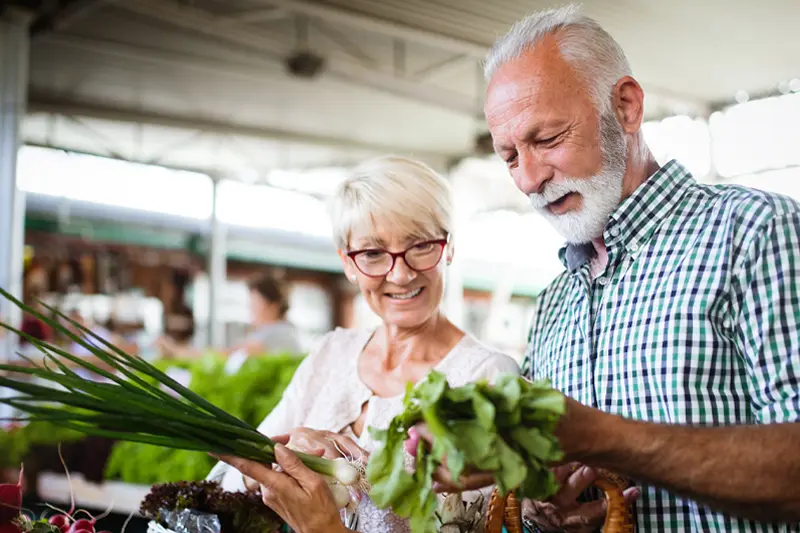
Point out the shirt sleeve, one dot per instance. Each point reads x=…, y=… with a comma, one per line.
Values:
x=285, y=416
x=766, y=320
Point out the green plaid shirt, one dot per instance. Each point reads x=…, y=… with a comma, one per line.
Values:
x=696, y=320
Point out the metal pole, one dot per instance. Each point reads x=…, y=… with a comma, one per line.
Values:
x=14, y=46
x=217, y=273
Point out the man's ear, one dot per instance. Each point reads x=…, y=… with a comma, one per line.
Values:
x=629, y=104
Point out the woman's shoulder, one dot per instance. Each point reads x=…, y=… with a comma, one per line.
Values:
x=340, y=336
x=338, y=343
x=476, y=360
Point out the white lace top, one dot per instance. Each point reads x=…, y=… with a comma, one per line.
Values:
x=326, y=393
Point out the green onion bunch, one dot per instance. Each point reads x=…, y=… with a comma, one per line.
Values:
x=133, y=405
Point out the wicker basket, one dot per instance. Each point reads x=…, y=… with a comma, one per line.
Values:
x=619, y=516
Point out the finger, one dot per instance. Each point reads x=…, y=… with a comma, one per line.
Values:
x=574, y=485
x=347, y=445
x=562, y=472
x=263, y=475
x=591, y=514
x=250, y=484
x=631, y=495
x=412, y=442
x=282, y=439
x=424, y=433
x=318, y=452
x=310, y=441
x=444, y=481
x=295, y=468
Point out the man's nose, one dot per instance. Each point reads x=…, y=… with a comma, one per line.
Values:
x=532, y=173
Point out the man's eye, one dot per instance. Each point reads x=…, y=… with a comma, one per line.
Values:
x=549, y=140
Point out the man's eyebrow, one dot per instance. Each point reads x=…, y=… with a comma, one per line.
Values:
x=535, y=131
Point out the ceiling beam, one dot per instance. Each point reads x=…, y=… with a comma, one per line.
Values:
x=256, y=15
x=44, y=105
x=258, y=43
x=436, y=68
x=71, y=13
x=383, y=27
x=470, y=49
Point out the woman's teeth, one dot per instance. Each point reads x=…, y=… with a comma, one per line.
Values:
x=405, y=295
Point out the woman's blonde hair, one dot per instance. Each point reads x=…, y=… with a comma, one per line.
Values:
x=394, y=192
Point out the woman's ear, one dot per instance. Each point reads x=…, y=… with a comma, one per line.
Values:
x=449, y=252
x=347, y=266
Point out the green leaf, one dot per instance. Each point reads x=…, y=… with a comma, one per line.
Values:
x=513, y=469
x=534, y=442
x=469, y=425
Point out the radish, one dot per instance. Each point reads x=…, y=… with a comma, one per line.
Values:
x=82, y=526
x=61, y=521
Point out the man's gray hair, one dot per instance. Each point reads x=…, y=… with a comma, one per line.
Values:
x=594, y=54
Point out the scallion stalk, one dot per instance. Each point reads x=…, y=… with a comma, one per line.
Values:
x=129, y=408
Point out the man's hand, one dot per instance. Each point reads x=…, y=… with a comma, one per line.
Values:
x=562, y=512
x=443, y=481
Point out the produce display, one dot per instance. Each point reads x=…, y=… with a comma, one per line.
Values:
x=17, y=440
x=13, y=519
x=204, y=506
x=505, y=429
x=249, y=394
x=130, y=407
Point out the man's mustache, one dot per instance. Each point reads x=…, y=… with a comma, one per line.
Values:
x=552, y=192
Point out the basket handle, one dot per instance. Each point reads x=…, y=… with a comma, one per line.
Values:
x=619, y=515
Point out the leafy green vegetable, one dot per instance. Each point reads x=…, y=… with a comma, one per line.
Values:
x=16, y=443
x=238, y=512
x=505, y=429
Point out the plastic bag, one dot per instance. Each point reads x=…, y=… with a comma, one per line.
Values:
x=189, y=521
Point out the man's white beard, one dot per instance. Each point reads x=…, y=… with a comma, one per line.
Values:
x=600, y=194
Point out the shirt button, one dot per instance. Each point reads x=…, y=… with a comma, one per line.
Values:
x=602, y=280
x=615, y=231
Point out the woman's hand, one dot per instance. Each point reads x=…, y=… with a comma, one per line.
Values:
x=323, y=443
x=443, y=480
x=300, y=496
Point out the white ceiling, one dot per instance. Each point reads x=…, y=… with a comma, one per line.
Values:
x=202, y=84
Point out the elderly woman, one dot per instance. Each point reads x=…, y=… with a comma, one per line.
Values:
x=392, y=224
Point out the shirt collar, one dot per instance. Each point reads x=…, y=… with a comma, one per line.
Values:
x=638, y=216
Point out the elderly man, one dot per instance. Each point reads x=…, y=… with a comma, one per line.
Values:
x=675, y=328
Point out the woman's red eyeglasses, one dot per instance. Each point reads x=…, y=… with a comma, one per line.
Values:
x=420, y=257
